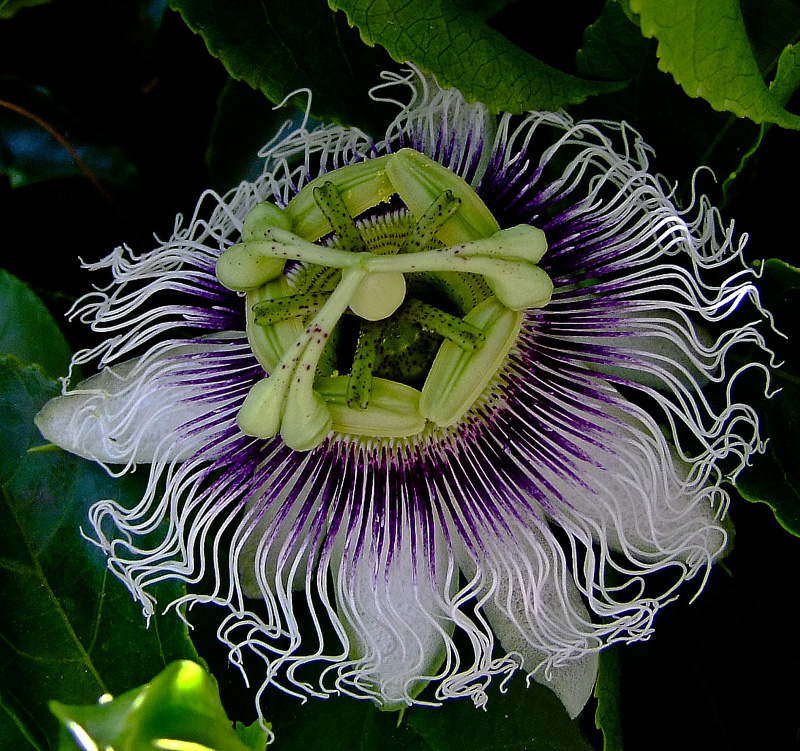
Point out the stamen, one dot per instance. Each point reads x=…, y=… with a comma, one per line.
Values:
x=507, y=259
x=285, y=402
x=419, y=181
x=393, y=411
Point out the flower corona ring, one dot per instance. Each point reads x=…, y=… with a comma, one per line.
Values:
x=425, y=410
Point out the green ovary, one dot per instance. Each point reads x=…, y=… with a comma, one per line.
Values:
x=382, y=326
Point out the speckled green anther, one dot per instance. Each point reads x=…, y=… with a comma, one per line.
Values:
x=385, y=323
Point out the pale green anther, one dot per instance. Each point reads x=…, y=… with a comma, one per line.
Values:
x=522, y=242
x=280, y=309
x=419, y=181
x=518, y=285
x=307, y=420
x=393, y=411
x=359, y=382
x=262, y=411
x=262, y=217
x=330, y=203
x=457, y=330
x=242, y=267
x=434, y=218
x=458, y=377
x=361, y=186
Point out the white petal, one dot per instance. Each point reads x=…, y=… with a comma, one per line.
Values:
x=274, y=555
x=534, y=608
x=572, y=682
x=389, y=600
x=637, y=495
x=138, y=410
x=659, y=348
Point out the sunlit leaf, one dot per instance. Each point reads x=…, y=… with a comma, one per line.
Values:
x=461, y=50
x=27, y=330
x=178, y=709
x=787, y=79
x=774, y=478
x=282, y=46
x=685, y=133
x=704, y=45
x=70, y=631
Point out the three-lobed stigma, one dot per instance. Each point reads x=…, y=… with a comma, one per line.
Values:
x=379, y=323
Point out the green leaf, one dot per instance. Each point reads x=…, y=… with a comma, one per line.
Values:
x=704, y=45
x=71, y=631
x=281, y=46
x=9, y=8
x=685, y=133
x=521, y=719
x=253, y=736
x=608, y=716
x=28, y=331
x=446, y=38
x=34, y=145
x=179, y=709
x=774, y=478
x=787, y=79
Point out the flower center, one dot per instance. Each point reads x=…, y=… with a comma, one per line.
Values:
x=379, y=326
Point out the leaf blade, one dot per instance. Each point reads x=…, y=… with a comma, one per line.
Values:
x=462, y=51
x=73, y=632
x=704, y=45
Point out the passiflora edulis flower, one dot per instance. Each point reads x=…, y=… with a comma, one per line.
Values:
x=425, y=410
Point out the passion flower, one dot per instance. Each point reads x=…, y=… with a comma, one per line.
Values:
x=427, y=409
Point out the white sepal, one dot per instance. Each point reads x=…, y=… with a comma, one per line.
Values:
x=140, y=410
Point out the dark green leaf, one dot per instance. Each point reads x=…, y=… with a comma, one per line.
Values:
x=704, y=45
x=685, y=133
x=522, y=719
x=28, y=331
x=281, y=46
x=71, y=631
x=447, y=39
x=787, y=79
x=774, y=478
x=9, y=7
x=40, y=139
x=607, y=692
x=179, y=708
x=245, y=121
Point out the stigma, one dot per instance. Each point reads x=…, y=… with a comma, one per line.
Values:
x=373, y=322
